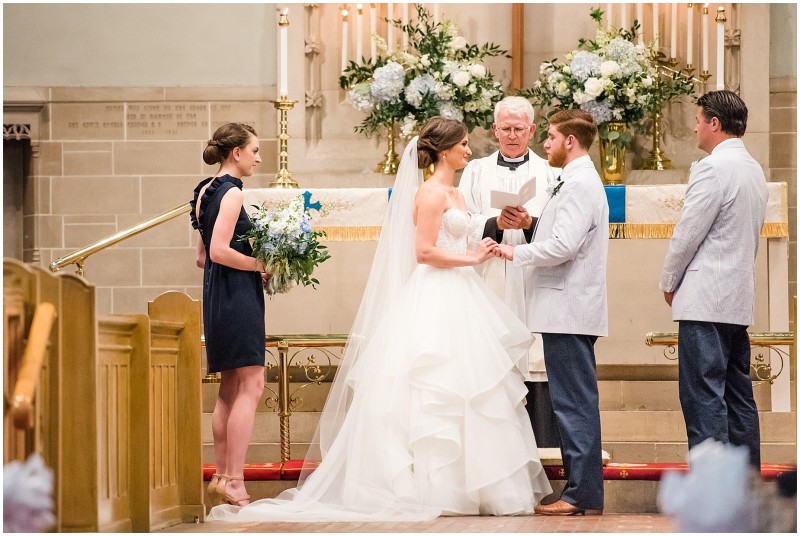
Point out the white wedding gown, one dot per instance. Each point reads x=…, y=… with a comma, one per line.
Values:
x=437, y=423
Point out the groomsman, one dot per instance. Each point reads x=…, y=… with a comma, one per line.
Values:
x=567, y=304
x=708, y=278
x=507, y=170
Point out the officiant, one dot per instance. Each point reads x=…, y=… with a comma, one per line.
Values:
x=507, y=170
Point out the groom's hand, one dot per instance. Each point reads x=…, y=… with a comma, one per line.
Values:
x=507, y=250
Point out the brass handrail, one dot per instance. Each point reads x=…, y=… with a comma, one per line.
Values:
x=777, y=338
x=78, y=257
x=32, y=358
x=761, y=369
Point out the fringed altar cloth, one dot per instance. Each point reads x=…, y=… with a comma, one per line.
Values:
x=636, y=211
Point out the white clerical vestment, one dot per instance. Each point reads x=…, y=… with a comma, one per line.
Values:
x=506, y=280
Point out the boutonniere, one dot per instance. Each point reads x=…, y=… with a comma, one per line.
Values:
x=552, y=189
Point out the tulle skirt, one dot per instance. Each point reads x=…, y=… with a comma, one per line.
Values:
x=437, y=423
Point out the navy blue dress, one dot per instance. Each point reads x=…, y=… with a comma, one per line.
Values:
x=233, y=300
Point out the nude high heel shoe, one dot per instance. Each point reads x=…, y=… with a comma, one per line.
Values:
x=212, y=490
x=227, y=497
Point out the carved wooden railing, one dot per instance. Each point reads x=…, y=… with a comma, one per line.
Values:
x=117, y=410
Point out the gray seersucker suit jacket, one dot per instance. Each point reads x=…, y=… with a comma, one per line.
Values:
x=711, y=257
x=569, y=252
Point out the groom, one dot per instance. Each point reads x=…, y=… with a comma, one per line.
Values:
x=568, y=304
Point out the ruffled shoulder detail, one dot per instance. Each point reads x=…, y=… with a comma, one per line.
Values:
x=215, y=184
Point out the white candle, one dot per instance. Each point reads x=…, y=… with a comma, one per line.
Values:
x=359, y=32
x=689, y=35
x=608, y=15
x=673, y=38
x=705, y=38
x=655, y=27
x=720, y=48
x=344, y=39
x=640, y=18
x=389, y=27
x=436, y=13
x=624, y=20
x=405, y=23
x=373, y=24
x=283, y=31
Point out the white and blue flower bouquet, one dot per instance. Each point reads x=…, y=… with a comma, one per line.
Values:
x=282, y=238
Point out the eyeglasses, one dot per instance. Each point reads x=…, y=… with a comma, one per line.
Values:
x=518, y=131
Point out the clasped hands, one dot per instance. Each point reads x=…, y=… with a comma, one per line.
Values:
x=488, y=248
x=514, y=218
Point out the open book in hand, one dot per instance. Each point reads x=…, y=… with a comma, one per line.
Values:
x=500, y=199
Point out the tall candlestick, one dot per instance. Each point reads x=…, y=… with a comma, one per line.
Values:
x=624, y=19
x=283, y=30
x=608, y=15
x=359, y=32
x=344, y=39
x=390, y=28
x=405, y=23
x=373, y=27
x=690, y=35
x=720, y=47
x=655, y=27
x=705, y=37
x=640, y=18
x=673, y=38
x=436, y=13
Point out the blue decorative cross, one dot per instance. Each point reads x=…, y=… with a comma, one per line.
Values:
x=307, y=204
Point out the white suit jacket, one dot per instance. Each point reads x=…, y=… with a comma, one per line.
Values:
x=569, y=252
x=506, y=280
x=711, y=256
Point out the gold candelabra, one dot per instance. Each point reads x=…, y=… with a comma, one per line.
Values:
x=283, y=179
x=390, y=162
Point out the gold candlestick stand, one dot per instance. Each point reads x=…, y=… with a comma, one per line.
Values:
x=390, y=162
x=283, y=179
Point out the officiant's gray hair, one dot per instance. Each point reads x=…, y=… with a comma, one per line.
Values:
x=515, y=106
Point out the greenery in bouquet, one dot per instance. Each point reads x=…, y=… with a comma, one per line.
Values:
x=439, y=73
x=284, y=241
x=610, y=77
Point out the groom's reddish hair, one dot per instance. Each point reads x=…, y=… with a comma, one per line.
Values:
x=575, y=122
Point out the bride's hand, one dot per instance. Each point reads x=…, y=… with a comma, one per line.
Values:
x=486, y=249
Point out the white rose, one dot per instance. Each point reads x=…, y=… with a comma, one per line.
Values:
x=458, y=43
x=647, y=82
x=593, y=87
x=478, y=71
x=460, y=78
x=425, y=61
x=610, y=68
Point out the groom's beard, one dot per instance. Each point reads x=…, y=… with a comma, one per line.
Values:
x=557, y=157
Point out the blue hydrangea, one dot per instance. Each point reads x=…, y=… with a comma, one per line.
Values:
x=388, y=82
x=418, y=88
x=305, y=227
x=601, y=111
x=450, y=111
x=584, y=65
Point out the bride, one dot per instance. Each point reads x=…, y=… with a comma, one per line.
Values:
x=426, y=414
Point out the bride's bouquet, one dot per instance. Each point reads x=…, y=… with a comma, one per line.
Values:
x=284, y=241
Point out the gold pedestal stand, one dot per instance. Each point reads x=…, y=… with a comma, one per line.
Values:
x=390, y=162
x=284, y=178
x=657, y=159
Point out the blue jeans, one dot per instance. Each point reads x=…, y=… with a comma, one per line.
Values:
x=714, y=384
x=571, y=373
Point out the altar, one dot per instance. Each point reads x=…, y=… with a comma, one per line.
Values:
x=641, y=221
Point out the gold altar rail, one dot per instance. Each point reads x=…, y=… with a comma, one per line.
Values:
x=293, y=353
x=22, y=410
x=761, y=370
x=78, y=257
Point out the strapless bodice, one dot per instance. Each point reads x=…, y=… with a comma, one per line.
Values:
x=453, y=231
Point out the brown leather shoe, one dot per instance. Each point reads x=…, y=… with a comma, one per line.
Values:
x=563, y=508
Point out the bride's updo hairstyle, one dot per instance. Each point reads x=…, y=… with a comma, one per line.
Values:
x=226, y=139
x=437, y=135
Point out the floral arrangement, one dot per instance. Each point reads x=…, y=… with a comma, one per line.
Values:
x=284, y=241
x=438, y=74
x=610, y=77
